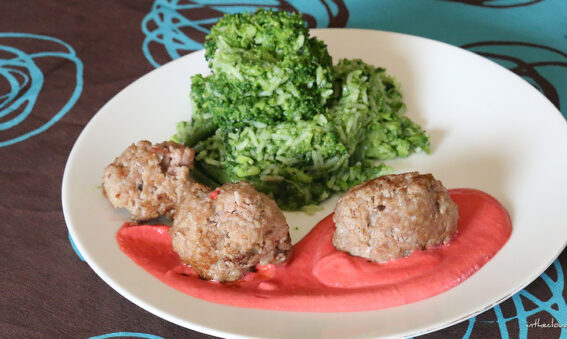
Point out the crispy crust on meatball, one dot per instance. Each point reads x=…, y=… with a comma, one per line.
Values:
x=392, y=216
x=145, y=178
x=224, y=233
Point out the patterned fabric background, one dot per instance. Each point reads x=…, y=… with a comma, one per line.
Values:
x=60, y=61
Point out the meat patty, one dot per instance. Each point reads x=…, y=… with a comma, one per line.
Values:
x=392, y=216
x=145, y=178
x=224, y=233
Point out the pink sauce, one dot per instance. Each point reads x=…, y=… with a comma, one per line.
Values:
x=319, y=278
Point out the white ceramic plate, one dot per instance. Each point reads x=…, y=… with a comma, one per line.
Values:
x=490, y=130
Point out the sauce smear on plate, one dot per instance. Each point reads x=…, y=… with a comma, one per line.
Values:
x=318, y=278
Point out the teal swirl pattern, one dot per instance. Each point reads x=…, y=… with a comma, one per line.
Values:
x=126, y=335
x=25, y=81
x=176, y=27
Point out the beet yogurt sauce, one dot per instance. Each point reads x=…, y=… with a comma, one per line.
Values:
x=318, y=278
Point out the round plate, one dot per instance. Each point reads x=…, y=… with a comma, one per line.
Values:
x=489, y=130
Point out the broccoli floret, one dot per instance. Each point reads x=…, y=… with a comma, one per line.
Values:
x=292, y=157
x=357, y=173
x=277, y=33
x=265, y=68
x=232, y=102
x=190, y=132
x=368, y=114
x=397, y=137
x=201, y=124
x=351, y=112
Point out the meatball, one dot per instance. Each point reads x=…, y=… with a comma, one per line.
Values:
x=224, y=233
x=392, y=216
x=145, y=178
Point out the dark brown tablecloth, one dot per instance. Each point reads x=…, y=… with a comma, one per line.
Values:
x=79, y=54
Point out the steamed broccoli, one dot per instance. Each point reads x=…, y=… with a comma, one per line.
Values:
x=368, y=114
x=276, y=113
x=298, y=163
x=274, y=32
x=293, y=157
x=395, y=137
x=265, y=68
x=201, y=124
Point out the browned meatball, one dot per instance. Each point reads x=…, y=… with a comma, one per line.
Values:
x=224, y=233
x=392, y=216
x=144, y=179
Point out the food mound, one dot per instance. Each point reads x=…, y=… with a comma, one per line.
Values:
x=277, y=113
x=221, y=233
x=392, y=216
x=144, y=179
x=225, y=233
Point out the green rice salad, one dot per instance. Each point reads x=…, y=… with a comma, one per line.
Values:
x=276, y=113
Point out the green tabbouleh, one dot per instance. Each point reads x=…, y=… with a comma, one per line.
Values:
x=277, y=113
